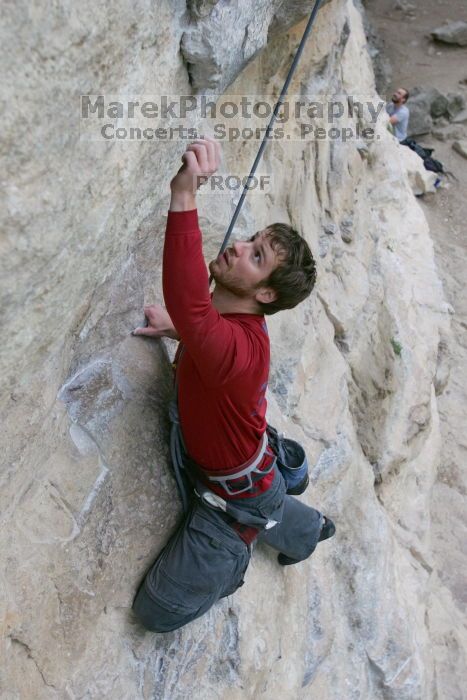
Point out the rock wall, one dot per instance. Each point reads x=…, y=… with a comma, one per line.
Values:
x=87, y=497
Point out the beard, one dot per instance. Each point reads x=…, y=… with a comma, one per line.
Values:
x=229, y=281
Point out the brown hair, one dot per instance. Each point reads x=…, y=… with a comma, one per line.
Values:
x=406, y=94
x=295, y=276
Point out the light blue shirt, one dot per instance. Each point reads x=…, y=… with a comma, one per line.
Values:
x=402, y=113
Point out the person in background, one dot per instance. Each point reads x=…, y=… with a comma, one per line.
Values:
x=399, y=113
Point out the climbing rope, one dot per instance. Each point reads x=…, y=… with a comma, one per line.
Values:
x=279, y=103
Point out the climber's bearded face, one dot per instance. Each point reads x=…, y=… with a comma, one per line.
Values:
x=243, y=268
x=399, y=96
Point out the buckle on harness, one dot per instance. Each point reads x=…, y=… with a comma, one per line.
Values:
x=244, y=471
x=212, y=500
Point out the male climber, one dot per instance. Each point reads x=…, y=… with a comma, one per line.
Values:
x=399, y=113
x=222, y=367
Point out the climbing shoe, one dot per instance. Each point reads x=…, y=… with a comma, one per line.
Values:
x=328, y=529
x=285, y=561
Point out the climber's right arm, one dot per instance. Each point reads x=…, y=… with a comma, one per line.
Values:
x=200, y=160
x=184, y=273
x=210, y=340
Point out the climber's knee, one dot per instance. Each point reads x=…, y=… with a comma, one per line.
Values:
x=157, y=617
x=298, y=534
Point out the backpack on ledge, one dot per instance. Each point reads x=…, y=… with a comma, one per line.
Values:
x=430, y=163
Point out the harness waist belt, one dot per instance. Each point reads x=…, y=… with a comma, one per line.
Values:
x=248, y=470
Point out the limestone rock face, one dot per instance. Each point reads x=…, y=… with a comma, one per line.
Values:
x=87, y=495
x=211, y=62
x=422, y=181
x=420, y=106
x=428, y=104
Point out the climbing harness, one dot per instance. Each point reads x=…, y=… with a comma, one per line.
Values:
x=188, y=480
x=248, y=472
x=287, y=455
x=278, y=105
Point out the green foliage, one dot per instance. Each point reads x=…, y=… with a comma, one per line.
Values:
x=396, y=346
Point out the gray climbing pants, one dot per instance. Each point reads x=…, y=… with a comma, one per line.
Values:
x=206, y=560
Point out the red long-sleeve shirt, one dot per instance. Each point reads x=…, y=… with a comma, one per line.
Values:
x=223, y=371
